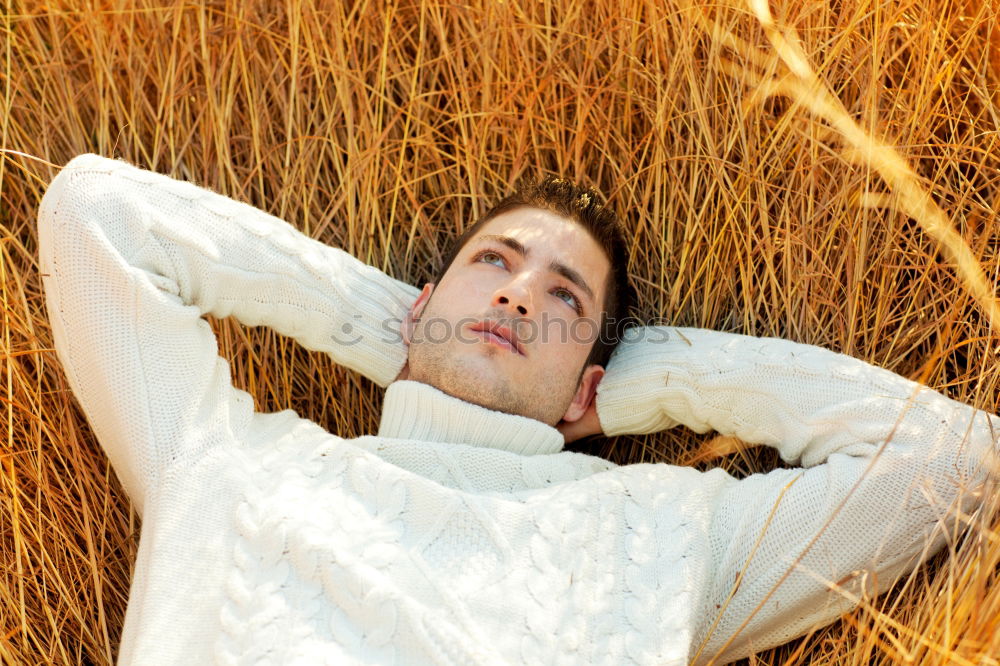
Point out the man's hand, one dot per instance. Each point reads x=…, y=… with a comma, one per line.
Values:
x=587, y=425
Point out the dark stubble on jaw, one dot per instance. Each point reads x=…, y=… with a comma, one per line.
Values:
x=435, y=365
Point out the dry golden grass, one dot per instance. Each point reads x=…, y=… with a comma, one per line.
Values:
x=830, y=176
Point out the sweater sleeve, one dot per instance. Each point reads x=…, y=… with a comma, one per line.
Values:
x=132, y=260
x=887, y=466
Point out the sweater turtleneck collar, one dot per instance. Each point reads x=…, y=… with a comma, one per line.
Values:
x=413, y=410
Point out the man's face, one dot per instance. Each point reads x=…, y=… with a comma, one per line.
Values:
x=513, y=320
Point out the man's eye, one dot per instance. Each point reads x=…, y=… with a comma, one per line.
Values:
x=567, y=295
x=492, y=258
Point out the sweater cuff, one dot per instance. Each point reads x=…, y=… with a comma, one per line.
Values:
x=371, y=342
x=633, y=397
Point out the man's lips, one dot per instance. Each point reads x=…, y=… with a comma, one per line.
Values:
x=498, y=334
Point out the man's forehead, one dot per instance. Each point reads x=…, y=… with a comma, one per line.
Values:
x=550, y=238
x=540, y=230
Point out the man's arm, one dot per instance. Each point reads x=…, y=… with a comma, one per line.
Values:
x=887, y=460
x=132, y=260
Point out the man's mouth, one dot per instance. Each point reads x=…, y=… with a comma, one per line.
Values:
x=498, y=334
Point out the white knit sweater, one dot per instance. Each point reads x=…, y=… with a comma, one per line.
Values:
x=459, y=535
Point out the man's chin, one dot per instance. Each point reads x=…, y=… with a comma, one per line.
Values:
x=472, y=381
x=478, y=397
x=491, y=395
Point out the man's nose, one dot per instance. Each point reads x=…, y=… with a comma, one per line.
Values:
x=513, y=295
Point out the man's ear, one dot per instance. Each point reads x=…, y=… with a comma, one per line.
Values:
x=409, y=322
x=585, y=393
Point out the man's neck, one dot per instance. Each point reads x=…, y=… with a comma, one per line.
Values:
x=417, y=411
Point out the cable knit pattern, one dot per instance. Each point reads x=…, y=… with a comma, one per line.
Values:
x=459, y=535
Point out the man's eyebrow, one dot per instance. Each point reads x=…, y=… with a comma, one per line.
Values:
x=573, y=276
x=556, y=267
x=512, y=243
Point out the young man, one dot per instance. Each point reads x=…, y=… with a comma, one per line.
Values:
x=462, y=532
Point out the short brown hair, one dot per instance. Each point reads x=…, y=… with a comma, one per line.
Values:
x=586, y=207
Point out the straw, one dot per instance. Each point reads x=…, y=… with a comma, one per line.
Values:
x=824, y=172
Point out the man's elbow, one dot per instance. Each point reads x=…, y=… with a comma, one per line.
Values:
x=85, y=200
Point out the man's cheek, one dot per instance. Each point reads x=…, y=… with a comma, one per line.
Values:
x=435, y=330
x=551, y=330
x=584, y=332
